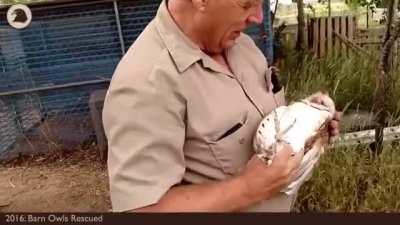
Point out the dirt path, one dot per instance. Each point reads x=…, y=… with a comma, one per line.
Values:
x=74, y=182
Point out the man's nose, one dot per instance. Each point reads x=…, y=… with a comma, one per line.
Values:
x=257, y=15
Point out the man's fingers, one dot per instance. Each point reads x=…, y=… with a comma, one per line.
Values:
x=296, y=159
x=285, y=152
x=337, y=115
x=334, y=128
x=334, y=125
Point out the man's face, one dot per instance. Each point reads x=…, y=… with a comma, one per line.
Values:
x=224, y=20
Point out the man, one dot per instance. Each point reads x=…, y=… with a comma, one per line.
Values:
x=182, y=110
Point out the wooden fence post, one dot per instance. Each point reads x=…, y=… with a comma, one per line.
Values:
x=337, y=30
x=329, y=34
x=323, y=40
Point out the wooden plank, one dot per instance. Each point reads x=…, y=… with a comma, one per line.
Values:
x=362, y=43
x=349, y=31
x=315, y=35
x=351, y=44
x=351, y=28
x=307, y=30
x=329, y=34
x=309, y=39
x=366, y=137
x=336, y=39
x=361, y=37
x=343, y=32
x=322, y=36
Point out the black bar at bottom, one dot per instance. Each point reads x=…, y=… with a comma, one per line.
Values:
x=201, y=218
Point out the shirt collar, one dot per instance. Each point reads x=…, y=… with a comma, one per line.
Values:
x=182, y=50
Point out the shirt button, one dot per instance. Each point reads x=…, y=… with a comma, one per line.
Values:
x=241, y=141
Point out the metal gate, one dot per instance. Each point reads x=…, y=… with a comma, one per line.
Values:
x=49, y=69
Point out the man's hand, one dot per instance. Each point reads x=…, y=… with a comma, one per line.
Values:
x=256, y=182
x=262, y=181
x=334, y=127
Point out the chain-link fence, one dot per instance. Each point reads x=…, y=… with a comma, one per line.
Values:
x=49, y=69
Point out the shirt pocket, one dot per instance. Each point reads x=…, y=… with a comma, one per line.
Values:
x=233, y=148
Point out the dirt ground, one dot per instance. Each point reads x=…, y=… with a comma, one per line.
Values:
x=58, y=182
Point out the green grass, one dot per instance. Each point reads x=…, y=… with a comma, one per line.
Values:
x=348, y=179
x=351, y=180
x=349, y=80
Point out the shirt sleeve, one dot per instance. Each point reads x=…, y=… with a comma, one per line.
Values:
x=143, y=119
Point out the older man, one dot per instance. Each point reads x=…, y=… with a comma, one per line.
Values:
x=182, y=110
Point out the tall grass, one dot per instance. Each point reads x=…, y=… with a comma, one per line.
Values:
x=348, y=179
x=349, y=80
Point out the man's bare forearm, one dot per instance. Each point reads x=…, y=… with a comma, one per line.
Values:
x=255, y=183
x=224, y=196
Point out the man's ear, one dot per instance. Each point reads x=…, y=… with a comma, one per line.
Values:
x=200, y=4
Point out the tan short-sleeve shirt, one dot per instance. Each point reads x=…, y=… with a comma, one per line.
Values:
x=173, y=114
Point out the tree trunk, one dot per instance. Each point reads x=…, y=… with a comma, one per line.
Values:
x=384, y=82
x=389, y=22
x=329, y=9
x=301, y=42
x=274, y=13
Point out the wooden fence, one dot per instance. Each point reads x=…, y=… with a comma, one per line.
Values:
x=331, y=34
x=371, y=38
x=339, y=35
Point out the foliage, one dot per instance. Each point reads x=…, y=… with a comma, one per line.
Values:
x=349, y=80
x=348, y=179
x=371, y=4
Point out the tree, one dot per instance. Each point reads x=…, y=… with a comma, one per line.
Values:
x=384, y=81
x=301, y=41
